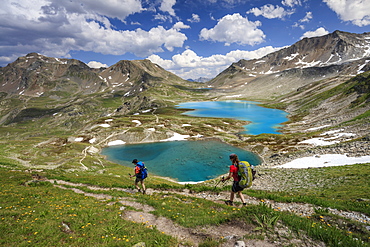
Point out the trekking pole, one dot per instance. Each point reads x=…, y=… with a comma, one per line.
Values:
x=218, y=183
x=204, y=196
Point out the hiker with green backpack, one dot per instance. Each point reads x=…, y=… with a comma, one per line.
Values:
x=241, y=172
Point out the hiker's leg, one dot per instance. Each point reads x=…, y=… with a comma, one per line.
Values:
x=143, y=185
x=137, y=184
x=240, y=194
x=232, y=196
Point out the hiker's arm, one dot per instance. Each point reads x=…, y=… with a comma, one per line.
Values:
x=135, y=172
x=228, y=177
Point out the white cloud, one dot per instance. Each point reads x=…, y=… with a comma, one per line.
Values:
x=180, y=25
x=194, y=18
x=54, y=28
x=270, y=11
x=291, y=3
x=307, y=17
x=234, y=29
x=96, y=65
x=189, y=65
x=167, y=6
x=318, y=32
x=355, y=11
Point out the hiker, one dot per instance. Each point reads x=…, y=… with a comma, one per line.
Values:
x=138, y=175
x=234, y=174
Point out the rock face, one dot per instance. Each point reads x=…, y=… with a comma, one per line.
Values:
x=308, y=60
x=36, y=86
x=35, y=74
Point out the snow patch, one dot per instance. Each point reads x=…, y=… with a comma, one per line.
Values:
x=176, y=137
x=116, y=142
x=291, y=57
x=325, y=160
x=232, y=96
x=104, y=125
x=138, y=123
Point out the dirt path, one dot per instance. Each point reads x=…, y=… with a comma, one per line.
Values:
x=230, y=232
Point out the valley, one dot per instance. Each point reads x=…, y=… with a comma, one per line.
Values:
x=57, y=114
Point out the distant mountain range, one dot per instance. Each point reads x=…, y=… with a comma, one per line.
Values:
x=35, y=74
x=35, y=86
x=200, y=79
x=308, y=60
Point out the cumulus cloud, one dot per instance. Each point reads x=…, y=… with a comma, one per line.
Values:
x=270, y=11
x=306, y=18
x=291, y=3
x=180, y=25
x=167, y=6
x=318, y=32
x=54, y=28
x=96, y=65
x=355, y=11
x=189, y=65
x=194, y=18
x=234, y=29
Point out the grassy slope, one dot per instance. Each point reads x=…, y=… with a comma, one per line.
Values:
x=36, y=214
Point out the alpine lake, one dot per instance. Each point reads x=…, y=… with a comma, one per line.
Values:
x=196, y=161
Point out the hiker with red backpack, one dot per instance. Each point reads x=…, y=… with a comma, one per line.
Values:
x=233, y=173
x=140, y=174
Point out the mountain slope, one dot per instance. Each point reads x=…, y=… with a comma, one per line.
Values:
x=37, y=86
x=35, y=74
x=308, y=60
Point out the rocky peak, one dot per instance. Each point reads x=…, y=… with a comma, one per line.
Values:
x=35, y=74
x=332, y=49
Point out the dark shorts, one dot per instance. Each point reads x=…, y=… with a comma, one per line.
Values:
x=138, y=180
x=236, y=187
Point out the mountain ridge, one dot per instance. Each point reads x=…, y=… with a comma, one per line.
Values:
x=350, y=52
x=36, y=86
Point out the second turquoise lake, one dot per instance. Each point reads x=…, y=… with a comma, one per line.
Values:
x=263, y=120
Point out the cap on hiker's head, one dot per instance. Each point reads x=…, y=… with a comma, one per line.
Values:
x=232, y=155
x=134, y=161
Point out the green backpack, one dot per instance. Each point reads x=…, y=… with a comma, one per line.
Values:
x=245, y=173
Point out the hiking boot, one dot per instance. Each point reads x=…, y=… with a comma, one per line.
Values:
x=244, y=204
x=144, y=191
x=230, y=203
x=139, y=190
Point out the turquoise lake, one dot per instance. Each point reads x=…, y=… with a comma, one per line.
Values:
x=195, y=161
x=264, y=120
x=183, y=161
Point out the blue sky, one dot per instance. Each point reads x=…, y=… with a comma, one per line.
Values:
x=191, y=38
